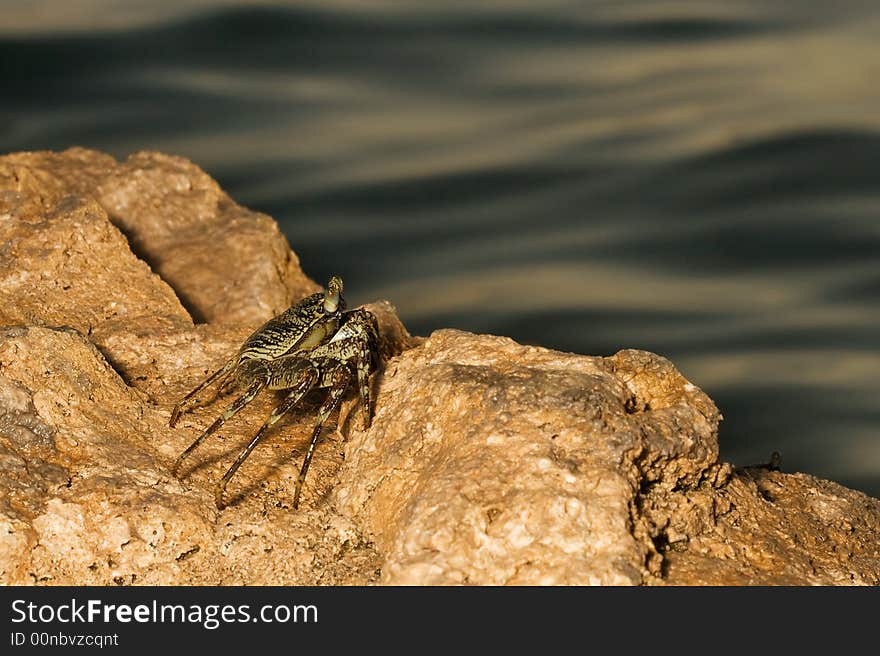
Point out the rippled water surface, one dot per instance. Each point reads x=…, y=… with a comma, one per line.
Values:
x=699, y=179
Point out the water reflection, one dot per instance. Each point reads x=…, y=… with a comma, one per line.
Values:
x=700, y=180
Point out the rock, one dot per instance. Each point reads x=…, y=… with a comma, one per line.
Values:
x=122, y=285
x=769, y=528
x=72, y=251
x=226, y=263
x=494, y=463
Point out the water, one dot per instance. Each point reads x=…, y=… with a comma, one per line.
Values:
x=699, y=179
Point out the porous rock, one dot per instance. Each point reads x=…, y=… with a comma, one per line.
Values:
x=769, y=528
x=226, y=263
x=492, y=463
x=487, y=461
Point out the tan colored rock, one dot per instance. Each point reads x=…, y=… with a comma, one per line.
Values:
x=770, y=528
x=226, y=263
x=496, y=463
x=73, y=252
x=487, y=461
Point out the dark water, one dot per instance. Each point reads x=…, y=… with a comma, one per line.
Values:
x=699, y=179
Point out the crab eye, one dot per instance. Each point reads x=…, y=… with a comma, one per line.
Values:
x=332, y=295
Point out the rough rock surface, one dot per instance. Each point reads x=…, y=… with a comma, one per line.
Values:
x=492, y=462
x=176, y=218
x=487, y=461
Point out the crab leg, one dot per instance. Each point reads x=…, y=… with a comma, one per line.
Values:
x=186, y=400
x=363, y=377
x=339, y=378
x=232, y=410
x=305, y=381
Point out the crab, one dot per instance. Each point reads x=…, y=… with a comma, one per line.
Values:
x=313, y=344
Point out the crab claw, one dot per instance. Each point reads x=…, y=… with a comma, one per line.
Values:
x=333, y=295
